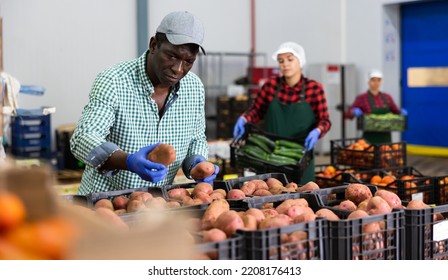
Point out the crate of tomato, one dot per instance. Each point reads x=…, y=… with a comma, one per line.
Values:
x=358, y=153
x=331, y=175
x=263, y=152
x=407, y=182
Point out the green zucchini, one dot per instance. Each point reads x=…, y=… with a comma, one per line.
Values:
x=270, y=143
x=260, y=143
x=281, y=160
x=288, y=144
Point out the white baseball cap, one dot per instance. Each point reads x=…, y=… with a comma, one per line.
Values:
x=375, y=74
x=291, y=47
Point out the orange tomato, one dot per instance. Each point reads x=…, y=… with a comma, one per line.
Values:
x=12, y=211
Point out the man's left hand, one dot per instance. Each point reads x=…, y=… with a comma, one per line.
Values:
x=311, y=139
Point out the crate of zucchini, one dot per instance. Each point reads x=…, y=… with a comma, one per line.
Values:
x=383, y=122
x=263, y=153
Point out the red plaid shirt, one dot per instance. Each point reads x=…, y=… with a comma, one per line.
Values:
x=362, y=102
x=314, y=95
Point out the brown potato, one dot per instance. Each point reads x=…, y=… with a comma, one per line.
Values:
x=178, y=193
x=257, y=213
x=202, y=170
x=135, y=205
x=357, y=193
x=308, y=187
x=104, y=203
x=229, y=222
x=235, y=194
x=216, y=208
x=273, y=182
x=328, y=214
x=202, y=187
x=163, y=153
x=378, y=205
x=120, y=202
x=347, y=205
x=248, y=188
x=391, y=198
x=279, y=220
x=111, y=217
x=262, y=192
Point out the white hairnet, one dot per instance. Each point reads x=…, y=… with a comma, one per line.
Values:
x=291, y=47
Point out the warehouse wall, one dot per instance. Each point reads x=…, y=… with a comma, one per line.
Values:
x=63, y=44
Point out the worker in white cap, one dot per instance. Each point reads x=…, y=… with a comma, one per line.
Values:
x=136, y=105
x=374, y=101
x=291, y=105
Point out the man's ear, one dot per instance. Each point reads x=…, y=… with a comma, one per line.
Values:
x=152, y=44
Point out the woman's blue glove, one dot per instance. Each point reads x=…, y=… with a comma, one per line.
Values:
x=404, y=112
x=311, y=139
x=239, y=128
x=147, y=170
x=357, y=112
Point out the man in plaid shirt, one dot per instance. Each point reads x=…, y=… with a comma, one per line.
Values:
x=138, y=104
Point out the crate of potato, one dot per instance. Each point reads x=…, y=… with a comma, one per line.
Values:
x=426, y=234
x=291, y=229
x=267, y=233
x=267, y=184
x=331, y=175
x=356, y=152
x=263, y=152
x=407, y=182
x=364, y=223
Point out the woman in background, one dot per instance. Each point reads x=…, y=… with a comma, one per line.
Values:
x=374, y=102
x=291, y=105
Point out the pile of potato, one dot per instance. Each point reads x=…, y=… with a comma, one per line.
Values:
x=219, y=222
x=361, y=203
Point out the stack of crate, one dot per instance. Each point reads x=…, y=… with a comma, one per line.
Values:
x=229, y=109
x=31, y=136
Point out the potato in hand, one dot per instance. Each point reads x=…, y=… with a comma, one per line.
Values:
x=202, y=170
x=163, y=153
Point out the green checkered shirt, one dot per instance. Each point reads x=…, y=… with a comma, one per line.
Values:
x=121, y=115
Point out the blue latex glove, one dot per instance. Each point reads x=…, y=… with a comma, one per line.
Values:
x=311, y=139
x=404, y=112
x=357, y=112
x=239, y=128
x=210, y=178
x=147, y=170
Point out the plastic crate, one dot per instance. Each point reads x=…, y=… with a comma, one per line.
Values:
x=229, y=249
x=325, y=179
x=426, y=238
x=378, y=123
x=32, y=152
x=441, y=186
x=238, y=159
x=349, y=241
x=371, y=156
x=407, y=182
x=22, y=124
x=270, y=244
x=31, y=139
x=237, y=183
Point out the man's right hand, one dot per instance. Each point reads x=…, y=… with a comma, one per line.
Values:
x=147, y=170
x=239, y=128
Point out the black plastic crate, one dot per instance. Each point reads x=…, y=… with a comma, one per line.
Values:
x=237, y=183
x=293, y=172
x=271, y=244
x=331, y=197
x=377, y=123
x=407, y=182
x=357, y=153
x=229, y=249
x=326, y=179
x=349, y=241
x=426, y=237
x=441, y=186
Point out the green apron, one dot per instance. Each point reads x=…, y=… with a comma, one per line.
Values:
x=292, y=120
x=378, y=137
